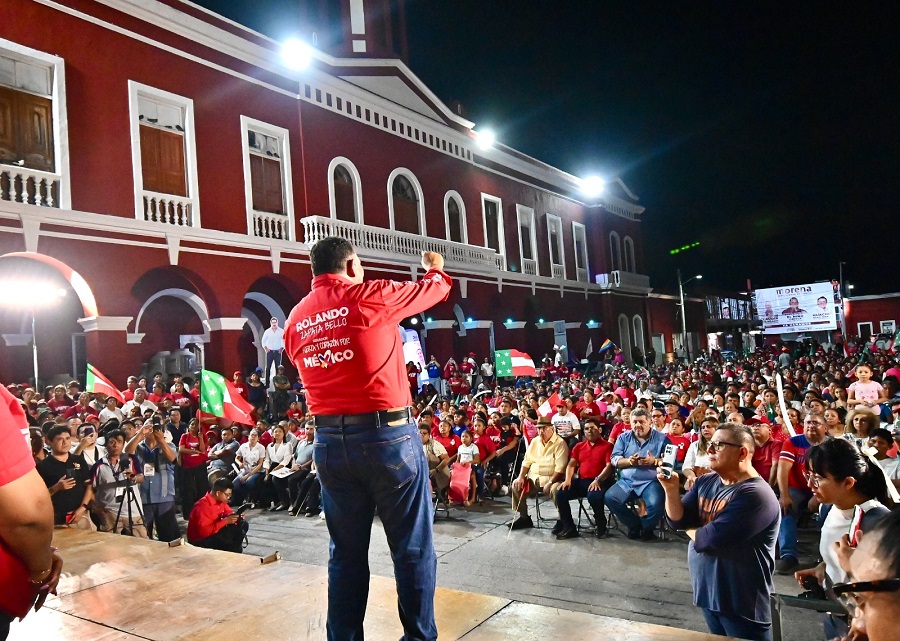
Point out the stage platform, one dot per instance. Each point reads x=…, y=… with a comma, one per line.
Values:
x=117, y=588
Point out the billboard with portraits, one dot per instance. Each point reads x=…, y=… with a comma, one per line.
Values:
x=800, y=308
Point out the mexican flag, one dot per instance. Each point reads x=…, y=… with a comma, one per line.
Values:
x=220, y=397
x=97, y=383
x=512, y=362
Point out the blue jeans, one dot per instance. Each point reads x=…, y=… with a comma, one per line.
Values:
x=732, y=625
x=273, y=357
x=654, y=497
x=362, y=468
x=245, y=489
x=787, y=534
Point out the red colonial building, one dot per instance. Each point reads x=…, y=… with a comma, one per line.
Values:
x=169, y=170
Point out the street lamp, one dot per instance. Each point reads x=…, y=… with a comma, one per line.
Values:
x=30, y=295
x=681, y=284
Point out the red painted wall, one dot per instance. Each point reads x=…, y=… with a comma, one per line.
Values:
x=871, y=311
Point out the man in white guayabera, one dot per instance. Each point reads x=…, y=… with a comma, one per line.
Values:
x=273, y=343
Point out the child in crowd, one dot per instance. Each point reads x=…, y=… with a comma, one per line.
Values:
x=468, y=454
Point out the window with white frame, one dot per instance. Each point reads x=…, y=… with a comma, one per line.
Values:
x=888, y=327
x=637, y=325
x=345, y=191
x=406, y=209
x=579, y=240
x=492, y=217
x=628, y=246
x=615, y=251
x=164, y=156
x=34, y=155
x=864, y=330
x=625, y=337
x=555, y=242
x=455, y=217
x=527, y=240
x=267, y=180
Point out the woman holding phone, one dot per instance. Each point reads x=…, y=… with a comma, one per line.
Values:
x=839, y=474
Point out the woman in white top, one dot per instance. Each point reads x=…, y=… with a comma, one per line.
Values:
x=249, y=461
x=696, y=461
x=838, y=473
x=279, y=455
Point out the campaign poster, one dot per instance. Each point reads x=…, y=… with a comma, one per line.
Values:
x=800, y=308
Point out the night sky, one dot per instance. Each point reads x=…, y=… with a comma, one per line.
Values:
x=769, y=133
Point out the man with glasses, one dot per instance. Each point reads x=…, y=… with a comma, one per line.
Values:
x=637, y=453
x=794, y=494
x=732, y=519
x=213, y=524
x=658, y=419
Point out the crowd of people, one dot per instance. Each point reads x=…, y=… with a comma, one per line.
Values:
x=603, y=433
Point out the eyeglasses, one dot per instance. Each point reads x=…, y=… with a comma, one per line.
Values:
x=656, y=415
x=848, y=593
x=813, y=480
x=715, y=446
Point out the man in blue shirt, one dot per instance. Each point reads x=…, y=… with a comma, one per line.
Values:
x=157, y=462
x=636, y=454
x=732, y=518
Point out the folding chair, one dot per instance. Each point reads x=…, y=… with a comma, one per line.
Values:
x=583, y=510
x=441, y=505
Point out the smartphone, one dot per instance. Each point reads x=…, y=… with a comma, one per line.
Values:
x=88, y=431
x=670, y=454
x=855, y=524
x=242, y=508
x=70, y=472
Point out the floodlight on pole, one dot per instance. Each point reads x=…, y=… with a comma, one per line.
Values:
x=681, y=284
x=31, y=295
x=296, y=54
x=485, y=139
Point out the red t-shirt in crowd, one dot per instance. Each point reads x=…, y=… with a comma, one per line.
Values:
x=60, y=406
x=191, y=460
x=765, y=456
x=181, y=400
x=343, y=339
x=591, y=410
x=206, y=518
x=618, y=429
x=682, y=443
x=78, y=411
x=15, y=445
x=591, y=457
x=794, y=450
x=486, y=446
x=451, y=443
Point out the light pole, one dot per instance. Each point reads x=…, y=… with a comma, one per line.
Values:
x=681, y=284
x=31, y=296
x=841, y=287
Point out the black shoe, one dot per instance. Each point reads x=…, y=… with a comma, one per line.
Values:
x=557, y=528
x=601, y=532
x=522, y=523
x=634, y=534
x=786, y=565
x=568, y=533
x=648, y=535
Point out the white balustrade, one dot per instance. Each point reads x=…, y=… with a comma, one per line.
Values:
x=168, y=209
x=529, y=266
x=267, y=225
x=619, y=278
x=29, y=186
x=581, y=275
x=377, y=240
x=558, y=272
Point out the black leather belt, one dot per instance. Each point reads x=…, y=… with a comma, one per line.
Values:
x=381, y=418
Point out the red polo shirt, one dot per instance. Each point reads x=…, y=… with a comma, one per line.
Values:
x=765, y=456
x=206, y=518
x=591, y=457
x=343, y=339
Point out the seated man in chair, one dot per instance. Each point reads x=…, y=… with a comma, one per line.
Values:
x=591, y=460
x=543, y=468
x=637, y=454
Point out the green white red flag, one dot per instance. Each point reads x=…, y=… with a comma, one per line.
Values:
x=97, y=383
x=512, y=362
x=219, y=397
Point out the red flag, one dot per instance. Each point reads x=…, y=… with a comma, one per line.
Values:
x=97, y=383
x=549, y=406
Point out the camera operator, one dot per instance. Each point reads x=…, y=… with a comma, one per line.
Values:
x=157, y=460
x=68, y=477
x=110, y=478
x=213, y=524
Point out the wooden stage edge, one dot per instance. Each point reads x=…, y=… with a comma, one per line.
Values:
x=118, y=588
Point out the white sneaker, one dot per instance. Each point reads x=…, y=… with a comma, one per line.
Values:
x=322, y=516
x=504, y=490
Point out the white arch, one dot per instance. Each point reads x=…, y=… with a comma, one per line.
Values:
x=270, y=304
x=625, y=337
x=637, y=324
x=615, y=251
x=357, y=187
x=193, y=300
x=464, y=227
x=403, y=171
x=628, y=246
x=256, y=328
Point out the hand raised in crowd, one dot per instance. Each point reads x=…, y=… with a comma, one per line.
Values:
x=432, y=260
x=670, y=482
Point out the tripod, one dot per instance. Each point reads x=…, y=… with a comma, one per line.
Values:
x=127, y=497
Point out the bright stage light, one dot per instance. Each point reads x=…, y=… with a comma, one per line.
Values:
x=485, y=139
x=592, y=186
x=28, y=294
x=296, y=54
x=413, y=321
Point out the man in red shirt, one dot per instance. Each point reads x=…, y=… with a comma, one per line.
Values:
x=343, y=339
x=591, y=459
x=767, y=452
x=213, y=524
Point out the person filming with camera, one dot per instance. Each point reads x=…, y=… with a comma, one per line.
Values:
x=213, y=524
x=117, y=505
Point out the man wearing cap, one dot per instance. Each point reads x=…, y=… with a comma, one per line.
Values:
x=343, y=339
x=273, y=342
x=543, y=468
